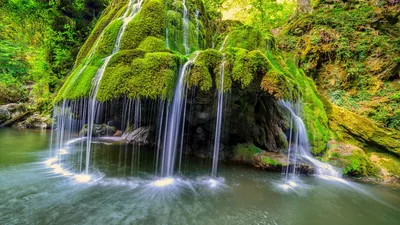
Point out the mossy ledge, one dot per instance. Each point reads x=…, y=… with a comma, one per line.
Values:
x=143, y=42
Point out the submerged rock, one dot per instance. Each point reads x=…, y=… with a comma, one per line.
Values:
x=140, y=136
x=99, y=130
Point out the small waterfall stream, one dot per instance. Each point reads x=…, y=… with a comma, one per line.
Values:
x=299, y=146
x=185, y=22
x=174, y=122
x=132, y=9
x=217, y=139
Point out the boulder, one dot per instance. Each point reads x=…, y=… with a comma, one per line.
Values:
x=36, y=121
x=99, y=130
x=140, y=136
x=4, y=115
x=352, y=159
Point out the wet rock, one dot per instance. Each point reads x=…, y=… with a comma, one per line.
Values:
x=14, y=109
x=36, y=121
x=350, y=158
x=99, y=130
x=270, y=161
x=13, y=113
x=140, y=136
x=4, y=115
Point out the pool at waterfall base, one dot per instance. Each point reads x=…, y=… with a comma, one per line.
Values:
x=125, y=189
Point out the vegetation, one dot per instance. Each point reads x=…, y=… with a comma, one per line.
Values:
x=345, y=72
x=38, y=43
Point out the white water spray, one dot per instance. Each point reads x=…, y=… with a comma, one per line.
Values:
x=174, y=122
x=299, y=146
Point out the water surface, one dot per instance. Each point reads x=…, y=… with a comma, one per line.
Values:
x=31, y=193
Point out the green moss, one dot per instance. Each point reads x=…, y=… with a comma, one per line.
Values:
x=358, y=164
x=149, y=22
x=387, y=162
x=269, y=162
x=152, y=76
x=107, y=40
x=112, y=12
x=245, y=152
x=247, y=37
x=153, y=44
x=204, y=68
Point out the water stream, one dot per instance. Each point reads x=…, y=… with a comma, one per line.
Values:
x=31, y=193
x=174, y=122
x=299, y=146
x=132, y=9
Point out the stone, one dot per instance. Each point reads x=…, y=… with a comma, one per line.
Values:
x=4, y=115
x=140, y=136
x=99, y=130
x=36, y=121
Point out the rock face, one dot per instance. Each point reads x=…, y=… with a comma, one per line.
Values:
x=99, y=130
x=140, y=136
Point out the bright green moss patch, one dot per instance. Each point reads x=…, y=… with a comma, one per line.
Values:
x=107, y=40
x=153, y=44
x=245, y=152
x=269, y=162
x=249, y=38
x=149, y=22
x=358, y=164
x=112, y=12
x=204, y=66
x=152, y=76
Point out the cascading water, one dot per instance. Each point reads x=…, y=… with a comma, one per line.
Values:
x=174, y=122
x=132, y=9
x=166, y=25
x=217, y=140
x=197, y=25
x=299, y=146
x=185, y=22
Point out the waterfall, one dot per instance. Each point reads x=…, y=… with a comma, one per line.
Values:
x=185, y=22
x=217, y=140
x=132, y=9
x=166, y=25
x=299, y=146
x=197, y=25
x=174, y=122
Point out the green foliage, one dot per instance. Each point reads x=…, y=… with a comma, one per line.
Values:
x=38, y=43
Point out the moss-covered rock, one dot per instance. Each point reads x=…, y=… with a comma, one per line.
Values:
x=388, y=166
x=143, y=42
x=352, y=160
x=360, y=131
x=271, y=161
